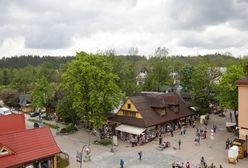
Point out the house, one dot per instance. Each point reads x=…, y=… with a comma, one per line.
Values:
x=150, y=113
x=25, y=103
x=21, y=147
x=141, y=77
x=243, y=108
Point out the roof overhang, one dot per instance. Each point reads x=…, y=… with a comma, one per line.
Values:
x=130, y=129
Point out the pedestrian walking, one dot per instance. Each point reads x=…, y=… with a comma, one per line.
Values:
x=221, y=166
x=227, y=143
x=184, y=131
x=193, y=124
x=122, y=163
x=173, y=164
x=160, y=139
x=214, y=128
x=187, y=165
x=203, y=163
x=230, y=114
x=179, y=143
x=181, y=131
x=140, y=155
x=171, y=131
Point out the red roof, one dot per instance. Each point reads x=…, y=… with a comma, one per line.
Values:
x=28, y=145
x=12, y=123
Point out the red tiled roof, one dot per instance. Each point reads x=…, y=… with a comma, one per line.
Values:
x=12, y=123
x=28, y=145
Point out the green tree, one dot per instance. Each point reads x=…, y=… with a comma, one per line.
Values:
x=158, y=75
x=228, y=91
x=202, y=88
x=90, y=80
x=161, y=52
x=41, y=94
x=23, y=78
x=185, y=77
x=65, y=111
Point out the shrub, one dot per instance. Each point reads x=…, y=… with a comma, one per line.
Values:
x=70, y=128
x=105, y=142
x=62, y=163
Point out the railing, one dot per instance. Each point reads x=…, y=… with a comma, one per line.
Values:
x=64, y=156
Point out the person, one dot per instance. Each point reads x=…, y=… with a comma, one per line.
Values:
x=184, y=131
x=160, y=139
x=193, y=124
x=230, y=114
x=122, y=163
x=203, y=163
x=181, y=131
x=173, y=164
x=227, y=143
x=171, y=131
x=214, y=128
x=179, y=143
x=140, y=155
x=187, y=165
x=221, y=166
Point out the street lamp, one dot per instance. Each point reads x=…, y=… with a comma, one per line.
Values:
x=85, y=152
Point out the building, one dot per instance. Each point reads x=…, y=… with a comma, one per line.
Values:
x=25, y=103
x=243, y=108
x=21, y=147
x=141, y=77
x=12, y=123
x=149, y=114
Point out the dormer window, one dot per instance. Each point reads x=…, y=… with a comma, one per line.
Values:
x=128, y=106
x=4, y=151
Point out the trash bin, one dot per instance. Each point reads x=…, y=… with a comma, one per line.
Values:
x=241, y=144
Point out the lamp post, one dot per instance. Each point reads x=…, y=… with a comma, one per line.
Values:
x=85, y=152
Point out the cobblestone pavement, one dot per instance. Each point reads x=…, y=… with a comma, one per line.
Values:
x=101, y=157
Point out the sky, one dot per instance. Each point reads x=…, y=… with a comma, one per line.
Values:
x=64, y=27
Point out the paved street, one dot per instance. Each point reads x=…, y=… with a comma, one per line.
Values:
x=212, y=150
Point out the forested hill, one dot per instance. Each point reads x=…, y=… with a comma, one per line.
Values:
x=23, y=61
x=213, y=59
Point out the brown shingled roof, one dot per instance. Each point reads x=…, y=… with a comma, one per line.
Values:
x=242, y=82
x=145, y=104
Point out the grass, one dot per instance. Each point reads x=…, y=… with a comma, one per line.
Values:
x=45, y=123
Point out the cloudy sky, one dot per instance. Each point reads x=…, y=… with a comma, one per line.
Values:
x=64, y=27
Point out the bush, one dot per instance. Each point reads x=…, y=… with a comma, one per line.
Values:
x=62, y=163
x=105, y=142
x=69, y=129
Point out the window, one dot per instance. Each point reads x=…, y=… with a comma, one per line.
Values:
x=128, y=106
x=125, y=113
x=132, y=114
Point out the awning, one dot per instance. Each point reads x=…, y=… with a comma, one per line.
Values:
x=130, y=129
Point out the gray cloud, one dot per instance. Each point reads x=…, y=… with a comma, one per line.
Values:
x=68, y=26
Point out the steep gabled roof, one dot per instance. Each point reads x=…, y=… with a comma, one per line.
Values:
x=146, y=105
x=24, y=100
x=28, y=145
x=12, y=123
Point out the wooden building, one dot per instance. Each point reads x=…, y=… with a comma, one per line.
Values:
x=148, y=114
x=25, y=103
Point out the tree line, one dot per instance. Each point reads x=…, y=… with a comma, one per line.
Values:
x=88, y=86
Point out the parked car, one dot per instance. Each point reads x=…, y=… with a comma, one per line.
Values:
x=34, y=114
x=38, y=124
x=5, y=111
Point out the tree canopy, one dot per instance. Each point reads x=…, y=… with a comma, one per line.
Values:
x=228, y=91
x=90, y=80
